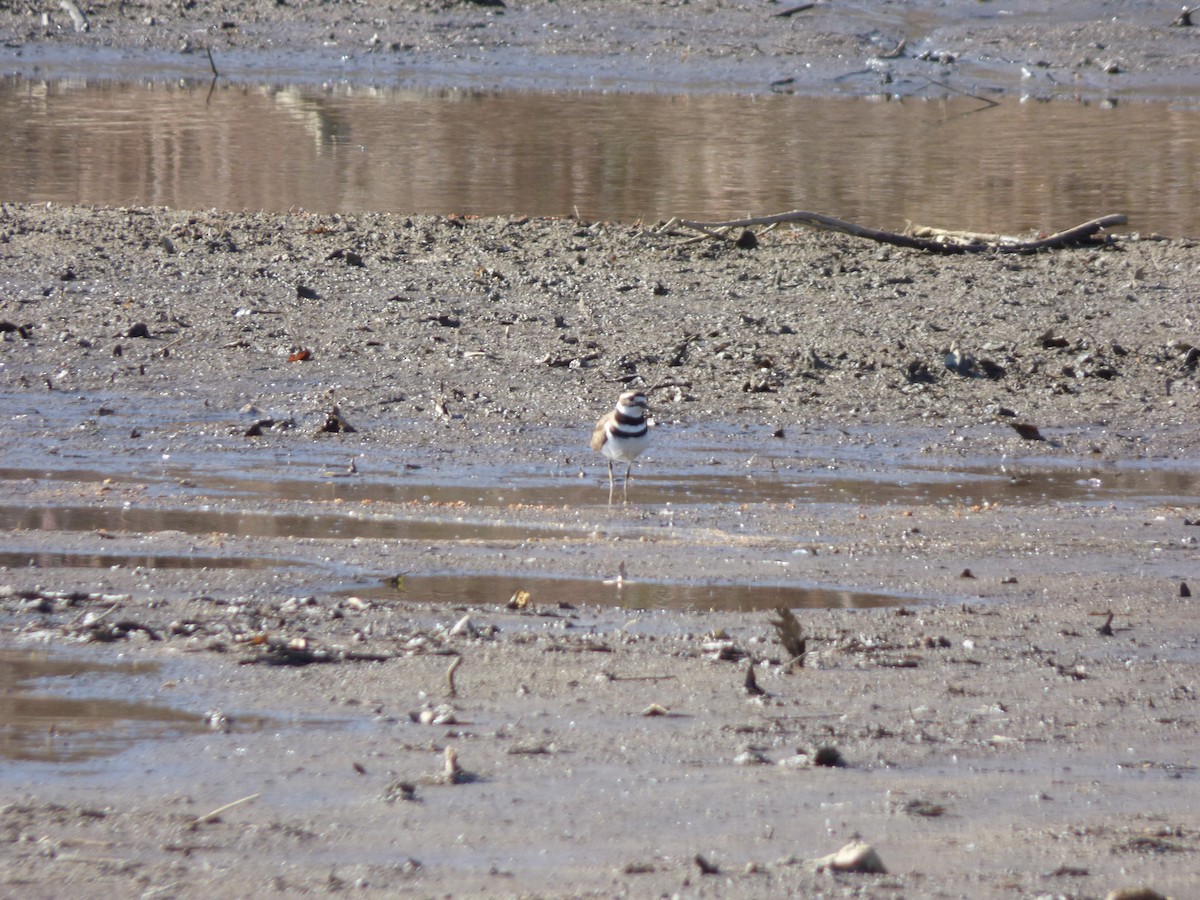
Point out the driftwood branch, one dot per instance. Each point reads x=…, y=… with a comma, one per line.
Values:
x=1072, y=236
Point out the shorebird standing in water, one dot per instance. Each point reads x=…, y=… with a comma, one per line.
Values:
x=622, y=435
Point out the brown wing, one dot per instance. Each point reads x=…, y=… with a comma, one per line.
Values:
x=600, y=435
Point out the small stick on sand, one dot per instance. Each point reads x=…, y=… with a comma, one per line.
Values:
x=208, y=817
x=792, y=10
x=450, y=689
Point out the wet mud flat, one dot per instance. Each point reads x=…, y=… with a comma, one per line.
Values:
x=830, y=416
x=981, y=748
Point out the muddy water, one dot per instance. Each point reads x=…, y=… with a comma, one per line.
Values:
x=498, y=487
x=67, y=709
x=202, y=501
x=10, y=559
x=955, y=163
x=489, y=590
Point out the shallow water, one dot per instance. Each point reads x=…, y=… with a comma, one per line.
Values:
x=59, y=708
x=490, y=591
x=774, y=479
x=956, y=163
x=466, y=507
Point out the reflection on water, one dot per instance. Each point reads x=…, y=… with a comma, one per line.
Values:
x=492, y=489
x=253, y=524
x=53, y=559
x=40, y=724
x=495, y=590
x=951, y=163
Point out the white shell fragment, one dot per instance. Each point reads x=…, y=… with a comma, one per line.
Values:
x=854, y=857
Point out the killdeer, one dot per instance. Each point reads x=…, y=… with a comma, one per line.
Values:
x=622, y=435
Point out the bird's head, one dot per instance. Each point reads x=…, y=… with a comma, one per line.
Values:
x=631, y=403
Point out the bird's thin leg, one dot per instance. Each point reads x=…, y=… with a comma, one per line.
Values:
x=610, y=483
x=628, y=469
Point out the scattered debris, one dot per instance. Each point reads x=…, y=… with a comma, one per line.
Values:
x=828, y=757
x=1085, y=234
x=924, y=808
x=1067, y=872
x=747, y=240
x=259, y=427
x=442, y=714
x=792, y=10
x=854, y=857
x=791, y=635
x=10, y=328
x=1027, y=431
x=1135, y=893
x=400, y=790
x=706, y=868
x=335, y=423
x=349, y=256
x=218, y=721
x=452, y=772
x=216, y=813
x=1076, y=672
x=639, y=868
x=751, y=756
x=78, y=20
x=106, y=633
x=751, y=683
x=297, y=652
x=724, y=651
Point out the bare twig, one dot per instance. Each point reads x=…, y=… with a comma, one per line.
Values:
x=1067, y=238
x=208, y=817
x=211, y=63
x=451, y=691
x=949, y=87
x=94, y=621
x=792, y=10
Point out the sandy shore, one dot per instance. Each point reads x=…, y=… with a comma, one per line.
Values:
x=994, y=741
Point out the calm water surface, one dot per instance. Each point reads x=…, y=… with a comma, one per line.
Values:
x=954, y=163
